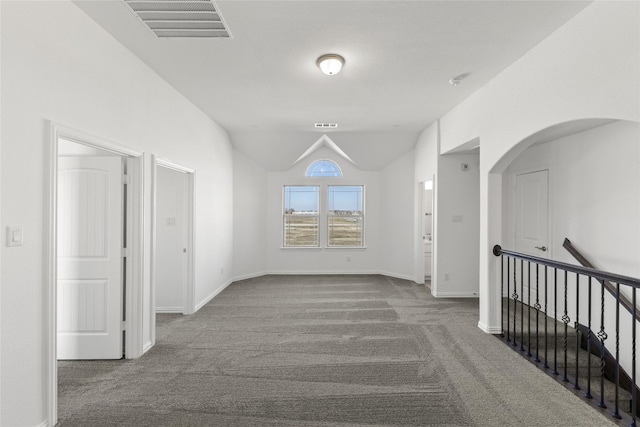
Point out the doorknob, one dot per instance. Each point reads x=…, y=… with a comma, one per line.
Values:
x=543, y=248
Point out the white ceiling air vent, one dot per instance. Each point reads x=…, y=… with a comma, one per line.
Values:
x=326, y=125
x=180, y=18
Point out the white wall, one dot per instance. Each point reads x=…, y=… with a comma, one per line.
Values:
x=171, y=238
x=58, y=65
x=457, y=226
x=398, y=231
x=588, y=68
x=250, y=221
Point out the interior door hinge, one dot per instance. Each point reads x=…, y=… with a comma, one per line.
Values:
x=125, y=179
x=125, y=252
x=123, y=325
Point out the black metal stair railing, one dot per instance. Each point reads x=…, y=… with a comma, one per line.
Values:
x=563, y=284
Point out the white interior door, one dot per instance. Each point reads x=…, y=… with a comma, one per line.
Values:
x=532, y=213
x=90, y=236
x=172, y=236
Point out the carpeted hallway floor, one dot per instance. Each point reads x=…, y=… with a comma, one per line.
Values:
x=320, y=351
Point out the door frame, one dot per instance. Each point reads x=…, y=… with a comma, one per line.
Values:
x=188, y=291
x=512, y=208
x=135, y=238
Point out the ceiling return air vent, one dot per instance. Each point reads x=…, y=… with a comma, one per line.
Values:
x=326, y=125
x=180, y=18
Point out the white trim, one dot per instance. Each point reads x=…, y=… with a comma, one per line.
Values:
x=340, y=273
x=135, y=262
x=135, y=240
x=249, y=276
x=455, y=294
x=398, y=276
x=146, y=347
x=488, y=329
x=169, y=310
x=188, y=295
x=50, y=272
x=212, y=295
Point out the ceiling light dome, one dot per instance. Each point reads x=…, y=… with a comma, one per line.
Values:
x=330, y=64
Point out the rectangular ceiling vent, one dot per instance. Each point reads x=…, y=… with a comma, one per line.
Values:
x=180, y=18
x=326, y=125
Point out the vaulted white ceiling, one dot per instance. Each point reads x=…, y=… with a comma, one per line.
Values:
x=263, y=86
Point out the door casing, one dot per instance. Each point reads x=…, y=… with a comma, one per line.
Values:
x=134, y=273
x=188, y=291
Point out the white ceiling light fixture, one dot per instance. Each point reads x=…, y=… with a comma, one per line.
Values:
x=330, y=63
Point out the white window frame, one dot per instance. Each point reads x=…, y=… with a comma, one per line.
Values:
x=286, y=215
x=360, y=217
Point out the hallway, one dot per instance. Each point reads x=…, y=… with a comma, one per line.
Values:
x=320, y=351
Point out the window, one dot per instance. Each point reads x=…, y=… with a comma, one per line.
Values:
x=301, y=216
x=345, y=215
x=323, y=168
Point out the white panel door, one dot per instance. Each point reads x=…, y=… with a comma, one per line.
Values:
x=90, y=235
x=532, y=213
x=172, y=236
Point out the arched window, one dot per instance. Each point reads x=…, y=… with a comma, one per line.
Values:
x=323, y=168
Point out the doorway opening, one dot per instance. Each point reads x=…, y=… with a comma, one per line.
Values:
x=94, y=252
x=427, y=228
x=173, y=240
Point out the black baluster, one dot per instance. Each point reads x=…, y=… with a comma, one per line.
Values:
x=602, y=335
x=555, y=321
x=546, y=319
x=633, y=361
x=565, y=320
x=587, y=394
x=576, y=385
x=529, y=308
x=515, y=301
x=537, y=307
x=502, y=296
x=522, y=305
x=616, y=413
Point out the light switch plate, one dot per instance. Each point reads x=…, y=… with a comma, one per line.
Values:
x=14, y=235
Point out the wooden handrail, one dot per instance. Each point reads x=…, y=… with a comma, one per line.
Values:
x=624, y=301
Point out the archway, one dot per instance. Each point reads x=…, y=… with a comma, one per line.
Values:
x=498, y=186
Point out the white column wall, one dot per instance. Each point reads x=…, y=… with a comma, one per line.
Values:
x=59, y=65
x=398, y=215
x=250, y=220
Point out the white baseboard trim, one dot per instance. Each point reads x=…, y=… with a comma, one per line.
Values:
x=147, y=346
x=398, y=276
x=212, y=296
x=489, y=329
x=248, y=276
x=45, y=423
x=174, y=310
x=339, y=272
x=455, y=294
x=319, y=272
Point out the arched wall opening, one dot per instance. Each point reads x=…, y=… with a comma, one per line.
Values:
x=594, y=197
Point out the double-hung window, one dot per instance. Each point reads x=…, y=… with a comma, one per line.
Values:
x=337, y=210
x=301, y=216
x=345, y=215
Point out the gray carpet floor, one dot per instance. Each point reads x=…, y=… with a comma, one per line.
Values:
x=320, y=351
